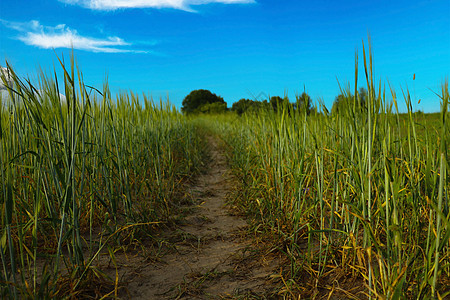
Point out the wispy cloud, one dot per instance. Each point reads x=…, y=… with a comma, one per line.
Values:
x=176, y=4
x=60, y=36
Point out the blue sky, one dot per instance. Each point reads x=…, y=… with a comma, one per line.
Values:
x=235, y=48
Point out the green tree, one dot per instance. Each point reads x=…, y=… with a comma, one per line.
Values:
x=347, y=100
x=362, y=96
x=339, y=103
x=278, y=102
x=196, y=99
x=303, y=102
x=213, y=108
x=247, y=105
x=241, y=106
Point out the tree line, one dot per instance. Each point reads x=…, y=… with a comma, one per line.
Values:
x=204, y=101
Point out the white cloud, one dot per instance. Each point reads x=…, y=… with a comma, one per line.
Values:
x=47, y=37
x=177, y=4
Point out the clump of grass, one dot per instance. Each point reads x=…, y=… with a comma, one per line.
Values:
x=361, y=194
x=80, y=174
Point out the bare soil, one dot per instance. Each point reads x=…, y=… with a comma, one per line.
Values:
x=210, y=255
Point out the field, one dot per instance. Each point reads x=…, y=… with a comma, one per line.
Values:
x=356, y=204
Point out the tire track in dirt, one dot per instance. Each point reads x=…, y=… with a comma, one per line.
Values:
x=212, y=259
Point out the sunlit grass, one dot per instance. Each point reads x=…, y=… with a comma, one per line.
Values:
x=79, y=175
x=356, y=197
x=366, y=190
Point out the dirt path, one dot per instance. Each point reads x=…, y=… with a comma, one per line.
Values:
x=210, y=259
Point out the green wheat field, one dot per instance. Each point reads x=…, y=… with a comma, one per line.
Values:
x=360, y=195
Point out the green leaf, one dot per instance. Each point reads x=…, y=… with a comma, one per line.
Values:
x=9, y=203
x=398, y=289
